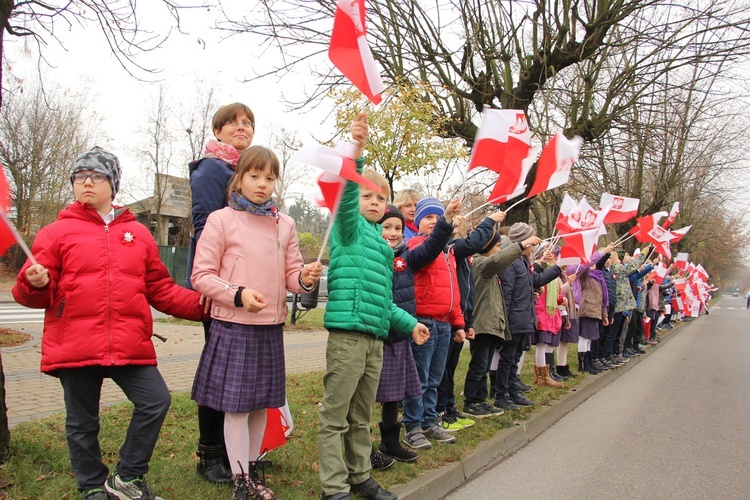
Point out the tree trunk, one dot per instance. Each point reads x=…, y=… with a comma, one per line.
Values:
x=4, y=429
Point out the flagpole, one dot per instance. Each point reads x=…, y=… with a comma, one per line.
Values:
x=326, y=236
x=17, y=236
x=492, y=201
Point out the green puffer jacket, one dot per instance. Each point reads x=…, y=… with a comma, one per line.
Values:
x=360, y=274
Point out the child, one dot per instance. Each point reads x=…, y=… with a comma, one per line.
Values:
x=399, y=378
x=247, y=257
x=439, y=307
x=358, y=316
x=98, y=272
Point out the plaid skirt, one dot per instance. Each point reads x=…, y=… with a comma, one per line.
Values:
x=399, y=378
x=589, y=328
x=241, y=368
x=547, y=338
x=570, y=336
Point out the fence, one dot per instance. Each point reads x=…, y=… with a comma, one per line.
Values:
x=175, y=259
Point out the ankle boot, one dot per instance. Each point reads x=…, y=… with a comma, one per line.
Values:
x=564, y=372
x=256, y=480
x=390, y=444
x=239, y=490
x=549, y=357
x=213, y=464
x=581, y=362
x=588, y=366
x=543, y=378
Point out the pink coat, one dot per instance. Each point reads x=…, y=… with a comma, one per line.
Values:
x=258, y=252
x=545, y=322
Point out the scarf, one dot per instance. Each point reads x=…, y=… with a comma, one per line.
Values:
x=239, y=202
x=598, y=275
x=222, y=151
x=553, y=291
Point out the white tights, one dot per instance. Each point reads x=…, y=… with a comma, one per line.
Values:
x=541, y=350
x=562, y=354
x=243, y=436
x=584, y=345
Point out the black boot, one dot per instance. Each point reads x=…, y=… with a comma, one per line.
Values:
x=256, y=480
x=493, y=377
x=581, y=362
x=213, y=464
x=390, y=444
x=549, y=358
x=587, y=364
x=564, y=372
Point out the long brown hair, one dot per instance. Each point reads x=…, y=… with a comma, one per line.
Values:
x=254, y=158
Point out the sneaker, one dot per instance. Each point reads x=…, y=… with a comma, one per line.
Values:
x=415, y=439
x=520, y=400
x=438, y=434
x=505, y=403
x=96, y=494
x=494, y=410
x=136, y=488
x=380, y=461
x=477, y=410
x=371, y=489
x=621, y=359
x=463, y=419
x=449, y=423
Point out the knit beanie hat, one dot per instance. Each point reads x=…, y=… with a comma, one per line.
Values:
x=491, y=242
x=428, y=206
x=520, y=231
x=101, y=161
x=391, y=211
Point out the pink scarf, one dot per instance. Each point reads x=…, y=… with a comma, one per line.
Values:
x=222, y=151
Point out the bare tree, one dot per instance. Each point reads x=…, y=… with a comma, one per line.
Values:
x=284, y=143
x=196, y=120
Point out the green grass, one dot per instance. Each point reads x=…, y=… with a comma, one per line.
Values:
x=39, y=466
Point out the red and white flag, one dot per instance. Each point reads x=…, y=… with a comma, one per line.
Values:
x=673, y=213
x=681, y=260
x=660, y=272
x=702, y=273
x=578, y=248
x=7, y=234
x=646, y=224
x=504, y=190
x=578, y=217
x=622, y=208
x=349, y=50
x=331, y=190
x=502, y=143
x=680, y=233
x=555, y=162
x=334, y=161
x=279, y=425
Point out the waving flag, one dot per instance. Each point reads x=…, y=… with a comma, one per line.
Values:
x=578, y=217
x=646, y=224
x=505, y=190
x=334, y=161
x=279, y=425
x=673, y=213
x=680, y=233
x=622, y=208
x=502, y=143
x=681, y=260
x=331, y=189
x=7, y=230
x=349, y=50
x=659, y=273
x=578, y=247
x=555, y=162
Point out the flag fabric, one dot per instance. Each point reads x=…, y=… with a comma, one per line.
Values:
x=660, y=272
x=279, y=425
x=334, y=161
x=680, y=233
x=578, y=217
x=349, y=50
x=578, y=247
x=702, y=273
x=555, y=162
x=502, y=143
x=622, y=209
x=681, y=260
x=331, y=190
x=7, y=235
x=646, y=224
x=673, y=213
x=504, y=191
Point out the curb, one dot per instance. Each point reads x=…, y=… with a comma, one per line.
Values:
x=437, y=483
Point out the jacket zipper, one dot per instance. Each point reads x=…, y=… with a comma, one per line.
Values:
x=450, y=275
x=60, y=309
x=278, y=266
x=109, y=294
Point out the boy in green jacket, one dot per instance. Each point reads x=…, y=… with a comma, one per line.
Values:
x=359, y=314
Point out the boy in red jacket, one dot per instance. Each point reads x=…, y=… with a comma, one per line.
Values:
x=98, y=272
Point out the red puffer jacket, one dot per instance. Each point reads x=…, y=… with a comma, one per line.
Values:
x=102, y=280
x=436, y=288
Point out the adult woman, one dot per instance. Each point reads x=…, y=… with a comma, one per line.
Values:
x=406, y=201
x=233, y=126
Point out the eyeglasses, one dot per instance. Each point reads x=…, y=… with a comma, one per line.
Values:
x=245, y=123
x=96, y=178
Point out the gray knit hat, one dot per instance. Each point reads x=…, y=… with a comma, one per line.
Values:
x=520, y=231
x=98, y=160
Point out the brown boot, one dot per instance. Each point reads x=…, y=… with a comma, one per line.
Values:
x=544, y=378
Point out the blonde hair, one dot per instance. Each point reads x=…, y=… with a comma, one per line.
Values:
x=254, y=158
x=378, y=180
x=405, y=195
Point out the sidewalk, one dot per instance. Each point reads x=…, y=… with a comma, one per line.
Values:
x=30, y=394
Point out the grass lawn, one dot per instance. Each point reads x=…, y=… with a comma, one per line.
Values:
x=39, y=466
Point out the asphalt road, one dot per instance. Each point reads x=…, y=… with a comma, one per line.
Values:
x=676, y=426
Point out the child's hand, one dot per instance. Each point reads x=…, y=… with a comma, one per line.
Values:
x=571, y=278
x=206, y=303
x=498, y=216
x=470, y=334
x=533, y=241
x=420, y=334
x=311, y=273
x=459, y=335
x=38, y=276
x=253, y=301
x=359, y=130
x=453, y=207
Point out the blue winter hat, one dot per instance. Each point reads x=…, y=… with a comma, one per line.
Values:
x=428, y=206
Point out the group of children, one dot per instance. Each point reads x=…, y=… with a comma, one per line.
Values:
x=404, y=294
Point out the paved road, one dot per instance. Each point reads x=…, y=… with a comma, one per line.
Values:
x=10, y=312
x=675, y=427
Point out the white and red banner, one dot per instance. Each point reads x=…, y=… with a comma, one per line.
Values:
x=504, y=191
x=502, y=143
x=349, y=50
x=678, y=234
x=578, y=248
x=555, y=162
x=681, y=260
x=646, y=224
x=673, y=213
x=659, y=273
x=331, y=190
x=279, y=426
x=622, y=208
x=334, y=161
x=578, y=216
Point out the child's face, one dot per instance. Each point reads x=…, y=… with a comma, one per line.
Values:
x=97, y=194
x=371, y=204
x=258, y=185
x=393, y=231
x=409, y=210
x=427, y=224
x=238, y=133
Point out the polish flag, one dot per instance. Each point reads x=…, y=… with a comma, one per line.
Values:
x=702, y=273
x=349, y=50
x=578, y=248
x=568, y=205
x=502, y=143
x=660, y=272
x=646, y=224
x=331, y=190
x=555, y=162
x=681, y=260
x=503, y=191
x=7, y=235
x=622, y=208
x=579, y=217
x=279, y=425
x=334, y=161
x=680, y=233
x=673, y=213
